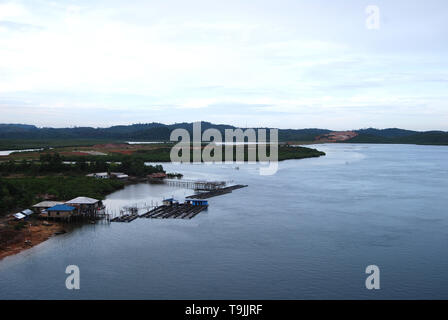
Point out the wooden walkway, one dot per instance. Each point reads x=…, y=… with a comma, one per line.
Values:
x=196, y=185
x=125, y=218
x=218, y=192
x=176, y=211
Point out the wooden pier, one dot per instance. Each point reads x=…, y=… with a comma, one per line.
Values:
x=171, y=209
x=130, y=212
x=125, y=218
x=196, y=185
x=217, y=192
x=175, y=211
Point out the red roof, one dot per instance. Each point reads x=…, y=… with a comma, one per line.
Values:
x=157, y=175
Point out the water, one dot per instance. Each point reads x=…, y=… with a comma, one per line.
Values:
x=8, y=152
x=307, y=232
x=145, y=142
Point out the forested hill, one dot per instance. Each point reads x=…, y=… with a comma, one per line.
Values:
x=428, y=137
x=161, y=132
x=148, y=131
x=386, y=133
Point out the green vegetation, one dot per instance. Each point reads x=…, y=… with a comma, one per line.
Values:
x=157, y=131
x=23, y=183
x=53, y=163
x=162, y=154
x=20, y=193
x=50, y=175
x=285, y=153
x=28, y=136
x=20, y=144
x=19, y=225
x=158, y=154
x=424, y=138
x=20, y=136
x=300, y=134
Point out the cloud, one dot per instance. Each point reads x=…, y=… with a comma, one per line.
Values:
x=283, y=62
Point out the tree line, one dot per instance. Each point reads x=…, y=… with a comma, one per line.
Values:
x=21, y=193
x=52, y=163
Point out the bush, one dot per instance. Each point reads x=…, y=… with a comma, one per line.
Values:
x=23, y=192
x=20, y=225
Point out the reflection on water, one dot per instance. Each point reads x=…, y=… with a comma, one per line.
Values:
x=145, y=142
x=308, y=231
x=143, y=195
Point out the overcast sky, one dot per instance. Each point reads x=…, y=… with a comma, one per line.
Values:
x=276, y=63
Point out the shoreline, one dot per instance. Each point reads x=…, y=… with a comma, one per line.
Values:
x=15, y=238
x=29, y=237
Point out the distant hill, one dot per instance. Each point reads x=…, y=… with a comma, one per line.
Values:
x=429, y=137
x=16, y=128
x=161, y=132
x=148, y=131
x=368, y=138
x=387, y=133
x=300, y=134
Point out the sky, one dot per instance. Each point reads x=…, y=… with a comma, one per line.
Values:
x=272, y=63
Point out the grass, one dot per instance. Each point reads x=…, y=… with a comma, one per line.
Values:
x=144, y=152
x=19, y=144
x=162, y=154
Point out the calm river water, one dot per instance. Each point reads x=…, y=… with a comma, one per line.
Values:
x=308, y=231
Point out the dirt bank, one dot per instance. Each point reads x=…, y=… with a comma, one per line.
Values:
x=18, y=236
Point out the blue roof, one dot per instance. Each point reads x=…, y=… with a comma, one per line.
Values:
x=61, y=207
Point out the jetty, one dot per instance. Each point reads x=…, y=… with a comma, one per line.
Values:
x=216, y=192
x=196, y=185
x=187, y=210
x=125, y=218
x=172, y=209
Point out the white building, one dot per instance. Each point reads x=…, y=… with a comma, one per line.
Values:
x=99, y=175
x=105, y=175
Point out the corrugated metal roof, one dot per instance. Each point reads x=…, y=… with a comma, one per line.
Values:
x=47, y=204
x=27, y=212
x=19, y=216
x=82, y=200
